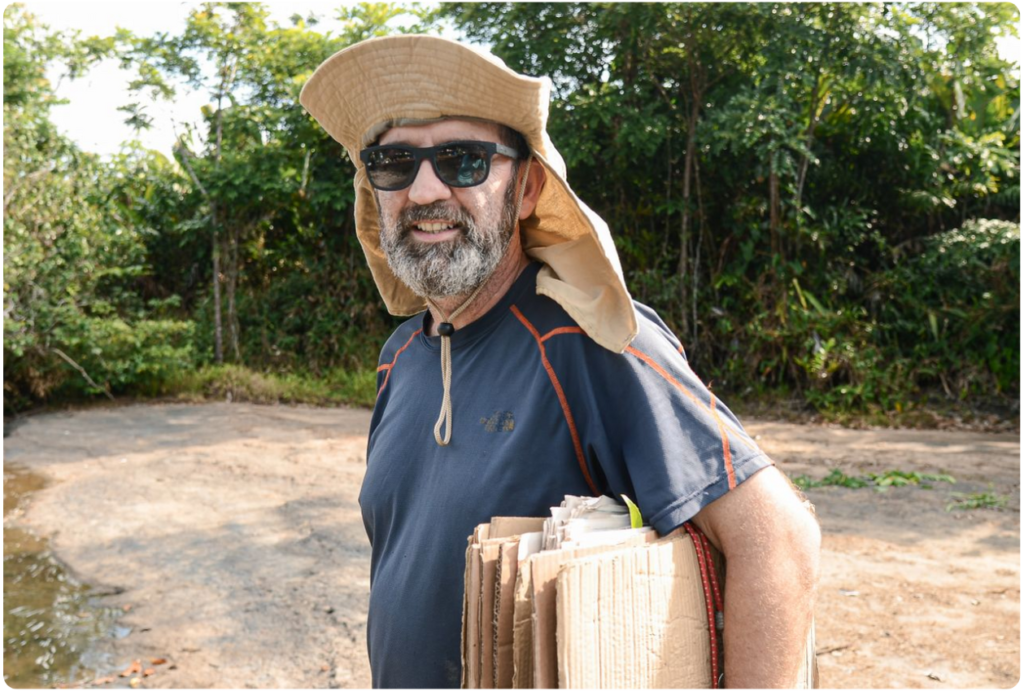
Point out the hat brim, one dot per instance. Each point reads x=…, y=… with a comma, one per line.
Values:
x=367, y=87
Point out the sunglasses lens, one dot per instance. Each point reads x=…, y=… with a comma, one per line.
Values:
x=463, y=165
x=391, y=169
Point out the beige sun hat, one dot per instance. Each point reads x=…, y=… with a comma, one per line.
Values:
x=361, y=91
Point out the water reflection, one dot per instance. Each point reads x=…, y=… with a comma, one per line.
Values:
x=50, y=618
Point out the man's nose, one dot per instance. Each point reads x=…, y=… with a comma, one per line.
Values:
x=426, y=187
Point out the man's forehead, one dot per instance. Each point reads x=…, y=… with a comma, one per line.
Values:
x=448, y=129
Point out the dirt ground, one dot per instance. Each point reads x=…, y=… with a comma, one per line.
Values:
x=232, y=532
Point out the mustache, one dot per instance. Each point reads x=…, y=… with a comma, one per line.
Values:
x=437, y=211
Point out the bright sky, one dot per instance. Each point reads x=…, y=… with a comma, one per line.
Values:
x=92, y=119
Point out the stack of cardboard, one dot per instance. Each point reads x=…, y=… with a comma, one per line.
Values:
x=602, y=606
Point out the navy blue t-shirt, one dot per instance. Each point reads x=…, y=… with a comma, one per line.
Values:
x=539, y=410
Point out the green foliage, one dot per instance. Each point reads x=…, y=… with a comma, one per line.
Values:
x=901, y=478
x=880, y=481
x=363, y=20
x=266, y=188
x=75, y=250
x=830, y=146
x=822, y=200
x=137, y=357
x=977, y=500
x=946, y=315
x=835, y=478
x=953, y=309
x=236, y=383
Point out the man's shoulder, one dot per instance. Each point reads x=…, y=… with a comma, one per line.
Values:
x=539, y=313
x=401, y=337
x=653, y=333
x=549, y=320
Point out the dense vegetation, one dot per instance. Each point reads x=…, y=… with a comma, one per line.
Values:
x=822, y=200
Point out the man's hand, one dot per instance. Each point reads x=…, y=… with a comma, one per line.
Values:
x=771, y=543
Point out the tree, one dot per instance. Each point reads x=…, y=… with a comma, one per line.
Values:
x=74, y=245
x=258, y=161
x=805, y=140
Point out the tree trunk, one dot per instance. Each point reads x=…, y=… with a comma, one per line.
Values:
x=668, y=195
x=815, y=109
x=218, y=338
x=695, y=273
x=218, y=331
x=218, y=326
x=232, y=285
x=774, y=210
x=684, y=229
x=808, y=141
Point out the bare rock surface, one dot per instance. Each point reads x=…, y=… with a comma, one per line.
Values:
x=232, y=533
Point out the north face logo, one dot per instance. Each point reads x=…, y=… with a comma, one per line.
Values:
x=500, y=421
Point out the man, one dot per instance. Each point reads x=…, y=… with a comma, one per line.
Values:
x=527, y=373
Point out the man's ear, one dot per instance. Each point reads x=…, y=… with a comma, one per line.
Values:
x=534, y=185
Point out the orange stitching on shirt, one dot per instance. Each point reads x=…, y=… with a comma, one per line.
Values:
x=562, y=330
x=668, y=377
x=561, y=397
x=657, y=368
x=721, y=425
x=725, y=445
x=391, y=367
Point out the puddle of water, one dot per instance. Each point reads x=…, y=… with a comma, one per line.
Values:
x=51, y=620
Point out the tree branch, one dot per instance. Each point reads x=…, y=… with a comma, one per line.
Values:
x=185, y=154
x=78, y=367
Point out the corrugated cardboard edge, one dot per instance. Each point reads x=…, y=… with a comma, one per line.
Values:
x=623, y=674
x=500, y=530
x=633, y=618
x=512, y=526
x=522, y=630
x=489, y=551
x=544, y=572
x=503, y=530
x=524, y=607
x=471, y=620
x=504, y=609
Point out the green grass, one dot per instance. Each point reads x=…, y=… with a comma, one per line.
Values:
x=836, y=478
x=336, y=387
x=880, y=481
x=899, y=478
x=978, y=500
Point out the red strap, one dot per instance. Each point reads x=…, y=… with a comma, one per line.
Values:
x=702, y=548
x=714, y=575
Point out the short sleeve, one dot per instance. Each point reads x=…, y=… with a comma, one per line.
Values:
x=650, y=429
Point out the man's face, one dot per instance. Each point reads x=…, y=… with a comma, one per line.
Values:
x=442, y=241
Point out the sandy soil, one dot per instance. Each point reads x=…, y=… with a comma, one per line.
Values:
x=233, y=533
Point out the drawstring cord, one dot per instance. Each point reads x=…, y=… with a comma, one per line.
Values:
x=445, y=329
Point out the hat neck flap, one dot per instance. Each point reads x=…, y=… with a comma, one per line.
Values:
x=362, y=90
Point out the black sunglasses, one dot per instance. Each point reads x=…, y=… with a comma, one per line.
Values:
x=457, y=164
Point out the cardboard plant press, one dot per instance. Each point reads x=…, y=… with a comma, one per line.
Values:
x=600, y=608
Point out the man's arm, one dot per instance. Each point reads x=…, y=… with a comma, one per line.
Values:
x=771, y=543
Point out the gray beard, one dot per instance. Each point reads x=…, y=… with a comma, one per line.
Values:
x=447, y=269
